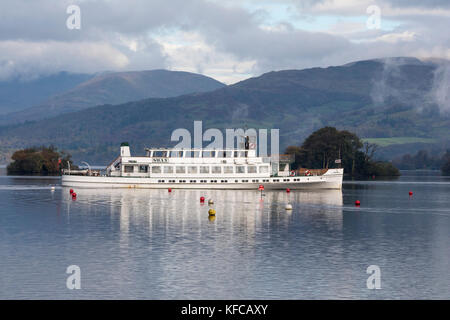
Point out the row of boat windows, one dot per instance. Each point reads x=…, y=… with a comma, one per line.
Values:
x=196, y=169
x=198, y=154
x=215, y=181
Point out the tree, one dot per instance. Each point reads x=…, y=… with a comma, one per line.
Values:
x=43, y=160
x=421, y=160
x=324, y=146
x=296, y=152
x=369, y=150
x=445, y=169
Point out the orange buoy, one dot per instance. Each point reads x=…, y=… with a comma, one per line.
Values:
x=357, y=203
x=288, y=190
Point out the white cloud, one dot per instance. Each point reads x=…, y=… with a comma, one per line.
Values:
x=32, y=58
x=397, y=37
x=189, y=51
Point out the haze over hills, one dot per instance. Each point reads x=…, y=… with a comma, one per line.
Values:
x=114, y=88
x=18, y=93
x=398, y=98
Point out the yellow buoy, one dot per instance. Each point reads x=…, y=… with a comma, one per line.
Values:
x=212, y=212
x=211, y=218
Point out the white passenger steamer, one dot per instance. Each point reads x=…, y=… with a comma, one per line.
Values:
x=202, y=169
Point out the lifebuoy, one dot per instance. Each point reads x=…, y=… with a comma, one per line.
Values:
x=307, y=173
x=292, y=173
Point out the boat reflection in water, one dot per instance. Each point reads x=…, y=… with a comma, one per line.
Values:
x=180, y=211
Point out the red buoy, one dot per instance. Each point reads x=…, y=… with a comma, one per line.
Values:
x=410, y=193
x=261, y=187
x=170, y=190
x=202, y=199
x=357, y=203
x=74, y=196
x=71, y=191
x=288, y=190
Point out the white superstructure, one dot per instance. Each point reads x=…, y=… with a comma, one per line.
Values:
x=202, y=169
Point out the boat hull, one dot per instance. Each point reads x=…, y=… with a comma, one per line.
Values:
x=332, y=179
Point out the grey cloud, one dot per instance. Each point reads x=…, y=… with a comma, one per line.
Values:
x=46, y=19
x=32, y=20
x=102, y=21
x=229, y=29
x=419, y=3
x=283, y=49
x=34, y=40
x=394, y=3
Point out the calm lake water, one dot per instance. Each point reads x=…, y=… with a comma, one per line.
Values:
x=142, y=244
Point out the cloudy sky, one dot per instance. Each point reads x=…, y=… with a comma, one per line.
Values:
x=229, y=40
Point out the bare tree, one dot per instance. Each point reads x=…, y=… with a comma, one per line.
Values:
x=369, y=150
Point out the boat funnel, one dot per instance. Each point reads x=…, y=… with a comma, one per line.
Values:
x=125, y=149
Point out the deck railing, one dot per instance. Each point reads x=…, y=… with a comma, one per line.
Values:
x=284, y=158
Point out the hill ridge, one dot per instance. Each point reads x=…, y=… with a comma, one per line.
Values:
x=298, y=102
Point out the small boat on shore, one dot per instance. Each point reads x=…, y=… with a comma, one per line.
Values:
x=203, y=169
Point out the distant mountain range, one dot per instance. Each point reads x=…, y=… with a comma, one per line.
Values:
x=77, y=92
x=18, y=93
x=396, y=98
